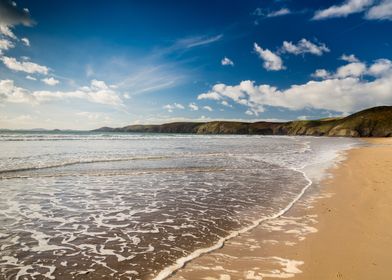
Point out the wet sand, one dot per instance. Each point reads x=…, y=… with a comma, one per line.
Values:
x=341, y=231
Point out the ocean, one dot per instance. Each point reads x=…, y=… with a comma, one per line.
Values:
x=83, y=205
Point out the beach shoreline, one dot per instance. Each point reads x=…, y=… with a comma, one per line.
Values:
x=354, y=225
x=340, y=230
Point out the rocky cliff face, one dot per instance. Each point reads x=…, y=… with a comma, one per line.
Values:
x=373, y=122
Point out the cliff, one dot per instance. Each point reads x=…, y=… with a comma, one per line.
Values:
x=373, y=122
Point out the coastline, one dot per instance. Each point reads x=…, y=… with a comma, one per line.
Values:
x=339, y=230
x=354, y=224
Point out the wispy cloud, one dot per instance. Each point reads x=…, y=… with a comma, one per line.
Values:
x=196, y=41
x=151, y=78
x=346, y=8
x=304, y=46
x=267, y=13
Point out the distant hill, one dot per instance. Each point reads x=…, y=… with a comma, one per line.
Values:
x=373, y=122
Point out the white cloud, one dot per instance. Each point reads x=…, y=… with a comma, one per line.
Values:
x=381, y=11
x=6, y=31
x=227, y=104
x=171, y=107
x=179, y=106
x=343, y=10
x=99, y=85
x=13, y=94
x=28, y=77
x=26, y=42
x=5, y=45
x=269, y=14
x=272, y=62
x=50, y=81
x=349, y=58
x=380, y=67
x=227, y=61
x=208, y=108
x=304, y=46
x=355, y=69
x=281, y=12
x=168, y=107
x=321, y=73
x=196, y=41
x=103, y=94
x=193, y=106
x=352, y=91
x=210, y=95
x=24, y=66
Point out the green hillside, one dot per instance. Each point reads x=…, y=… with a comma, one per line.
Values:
x=373, y=122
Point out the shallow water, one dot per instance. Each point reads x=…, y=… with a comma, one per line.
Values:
x=127, y=206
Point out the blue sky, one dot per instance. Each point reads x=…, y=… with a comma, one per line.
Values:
x=71, y=64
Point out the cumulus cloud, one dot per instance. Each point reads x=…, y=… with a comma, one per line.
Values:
x=347, y=84
x=5, y=45
x=227, y=104
x=272, y=61
x=355, y=69
x=193, y=106
x=343, y=10
x=349, y=58
x=380, y=67
x=321, y=73
x=209, y=95
x=10, y=16
x=26, y=41
x=171, y=107
x=227, y=61
x=96, y=92
x=50, y=81
x=382, y=11
x=24, y=66
x=304, y=46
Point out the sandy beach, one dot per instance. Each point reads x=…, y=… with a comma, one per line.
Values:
x=355, y=234
x=341, y=231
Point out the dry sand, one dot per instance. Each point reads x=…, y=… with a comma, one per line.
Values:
x=346, y=233
x=355, y=225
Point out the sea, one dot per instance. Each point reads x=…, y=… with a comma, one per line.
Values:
x=85, y=205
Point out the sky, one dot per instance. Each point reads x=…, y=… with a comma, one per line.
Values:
x=84, y=65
